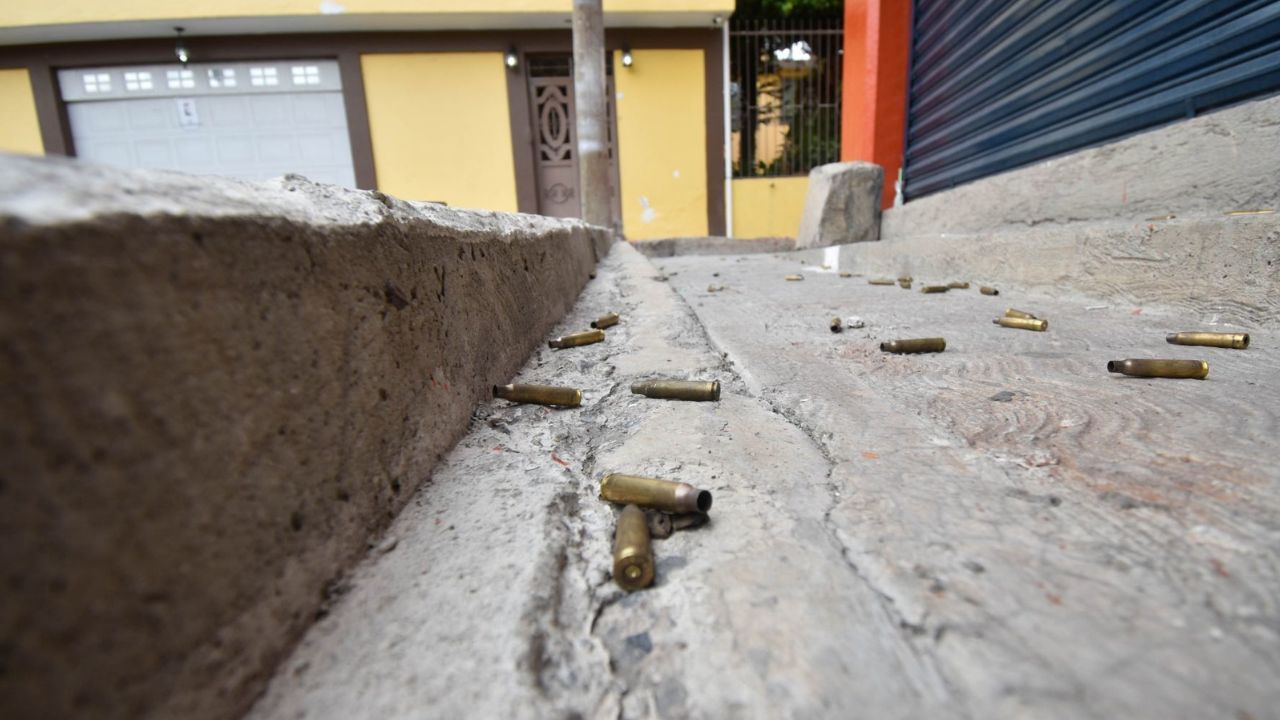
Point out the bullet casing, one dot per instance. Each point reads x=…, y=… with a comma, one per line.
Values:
x=935, y=288
x=605, y=321
x=904, y=284
x=917, y=345
x=1011, y=313
x=673, y=497
x=632, y=550
x=881, y=281
x=985, y=290
x=1196, y=369
x=539, y=394
x=846, y=274
x=576, y=339
x=837, y=325
x=959, y=285
x=678, y=389
x=1023, y=323
x=905, y=278
x=794, y=278
x=1237, y=341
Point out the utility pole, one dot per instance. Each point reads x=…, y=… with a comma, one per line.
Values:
x=589, y=100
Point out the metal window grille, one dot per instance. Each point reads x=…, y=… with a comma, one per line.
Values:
x=784, y=86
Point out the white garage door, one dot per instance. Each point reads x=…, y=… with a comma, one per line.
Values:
x=253, y=120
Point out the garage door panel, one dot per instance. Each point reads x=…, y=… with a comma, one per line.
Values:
x=235, y=151
x=195, y=151
x=271, y=110
x=108, y=152
x=275, y=118
x=155, y=153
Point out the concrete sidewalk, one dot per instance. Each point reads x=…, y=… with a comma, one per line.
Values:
x=1000, y=530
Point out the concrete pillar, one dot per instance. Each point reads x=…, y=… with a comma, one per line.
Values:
x=877, y=54
x=589, y=98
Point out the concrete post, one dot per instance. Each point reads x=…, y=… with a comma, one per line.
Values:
x=589, y=99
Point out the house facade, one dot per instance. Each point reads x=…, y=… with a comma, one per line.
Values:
x=469, y=102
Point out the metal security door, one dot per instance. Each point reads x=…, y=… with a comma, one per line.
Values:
x=996, y=84
x=555, y=139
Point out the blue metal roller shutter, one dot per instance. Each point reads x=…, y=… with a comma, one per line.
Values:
x=996, y=84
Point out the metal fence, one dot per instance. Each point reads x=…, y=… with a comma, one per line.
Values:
x=784, y=90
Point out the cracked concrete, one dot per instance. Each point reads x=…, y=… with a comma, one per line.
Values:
x=886, y=540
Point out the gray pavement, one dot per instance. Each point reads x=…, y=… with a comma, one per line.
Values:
x=1000, y=530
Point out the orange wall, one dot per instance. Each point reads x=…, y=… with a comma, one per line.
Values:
x=877, y=49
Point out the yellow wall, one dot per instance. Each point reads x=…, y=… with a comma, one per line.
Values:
x=441, y=127
x=51, y=12
x=662, y=143
x=19, y=127
x=768, y=207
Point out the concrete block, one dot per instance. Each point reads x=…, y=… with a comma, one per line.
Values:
x=842, y=205
x=215, y=394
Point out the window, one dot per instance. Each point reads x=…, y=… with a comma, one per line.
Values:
x=97, y=82
x=180, y=79
x=306, y=75
x=137, y=81
x=222, y=77
x=263, y=77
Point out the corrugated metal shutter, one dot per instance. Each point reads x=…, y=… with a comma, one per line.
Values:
x=996, y=84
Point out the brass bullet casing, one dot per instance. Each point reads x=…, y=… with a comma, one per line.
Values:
x=846, y=274
x=935, y=288
x=985, y=290
x=539, y=394
x=918, y=345
x=583, y=338
x=905, y=284
x=678, y=389
x=958, y=285
x=632, y=551
x=605, y=321
x=1011, y=313
x=905, y=279
x=837, y=325
x=1197, y=369
x=880, y=281
x=1023, y=323
x=1237, y=341
x=673, y=497
x=794, y=278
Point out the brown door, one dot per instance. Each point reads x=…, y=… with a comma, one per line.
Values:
x=555, y=138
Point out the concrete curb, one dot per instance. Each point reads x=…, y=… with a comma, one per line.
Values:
x=216, y=392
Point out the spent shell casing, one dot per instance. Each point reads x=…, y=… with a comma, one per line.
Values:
x=986, y=290
x=632, y=550
x=904, y=284
x=837, y=325
x=917, y=345
x=1197, y=369
x=605, y=321
x=935, y=288
x=846, y=274
x=794, y=278
x=539, y=394
x=1010, y=312
x=881, y=281
x=678, y=389
x=673, y=497
x=1237, y=341
x=1023, y=323
x=583, y=338
x=959, y=285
